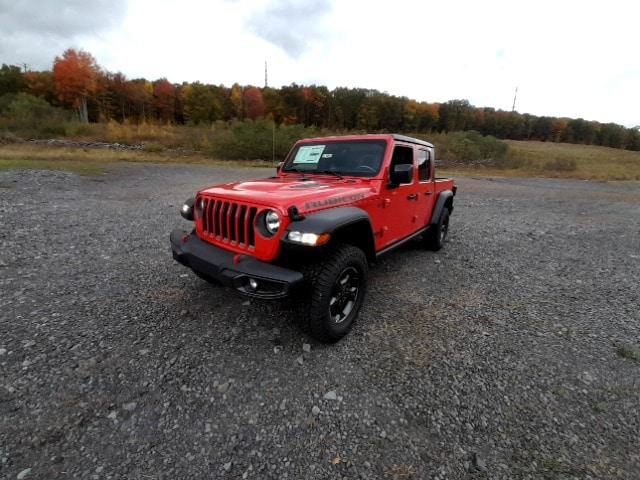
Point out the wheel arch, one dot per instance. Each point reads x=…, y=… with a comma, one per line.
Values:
x=445, y=200
x=350, y=225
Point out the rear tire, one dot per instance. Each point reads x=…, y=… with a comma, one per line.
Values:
x=435, y=237
x=335, y=287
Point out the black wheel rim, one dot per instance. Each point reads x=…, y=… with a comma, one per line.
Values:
x=344, y=294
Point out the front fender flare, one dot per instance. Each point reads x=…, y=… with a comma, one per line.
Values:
x=337, y=221
x=328, y=221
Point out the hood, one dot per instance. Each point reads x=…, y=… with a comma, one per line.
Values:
x=312, y=193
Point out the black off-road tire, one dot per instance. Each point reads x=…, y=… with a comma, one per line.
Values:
x=321, y=287
x=435, y=237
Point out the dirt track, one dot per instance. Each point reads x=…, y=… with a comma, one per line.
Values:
x=509, y=354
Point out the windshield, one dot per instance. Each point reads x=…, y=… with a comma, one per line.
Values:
x=358, y=158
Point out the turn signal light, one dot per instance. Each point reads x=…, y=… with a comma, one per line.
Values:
x=310, y=239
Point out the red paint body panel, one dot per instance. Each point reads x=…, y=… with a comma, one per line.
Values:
x=395, y=213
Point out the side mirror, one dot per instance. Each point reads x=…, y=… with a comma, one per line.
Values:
x=279, y=166
x=400, y=174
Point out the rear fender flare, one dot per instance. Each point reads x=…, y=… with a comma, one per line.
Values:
x=445, y=200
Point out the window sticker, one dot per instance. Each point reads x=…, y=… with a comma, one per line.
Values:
x=309, y=154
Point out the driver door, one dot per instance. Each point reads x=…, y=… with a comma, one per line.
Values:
x=398, y=205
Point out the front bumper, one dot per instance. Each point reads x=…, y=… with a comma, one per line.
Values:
x=233, y=270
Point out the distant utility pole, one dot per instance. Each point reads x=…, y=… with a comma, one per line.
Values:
x=515, y=95
x=25, y=67
x=266, y=80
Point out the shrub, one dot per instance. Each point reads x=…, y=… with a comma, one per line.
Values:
x=468, y=148
x=7, y=137
x=78, y=129
x=257, y=140
x=29, y=116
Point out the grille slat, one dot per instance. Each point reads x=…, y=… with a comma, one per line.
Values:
x=240, y=222
x=229, y=222
x=232, y=222
x=216, y=217
x=252, y=216
x=223, y=220
x=211, y=218
x=207, y=218
x=246, y=226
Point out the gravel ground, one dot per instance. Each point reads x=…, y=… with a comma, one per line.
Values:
x=512, y=353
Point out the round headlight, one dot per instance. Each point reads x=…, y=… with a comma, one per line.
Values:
x=187, y=209
x=272, y=221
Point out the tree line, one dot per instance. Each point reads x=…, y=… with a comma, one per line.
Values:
x=77, y=83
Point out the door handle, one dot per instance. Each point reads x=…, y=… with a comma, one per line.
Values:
x=428, y=193
x=413, y=196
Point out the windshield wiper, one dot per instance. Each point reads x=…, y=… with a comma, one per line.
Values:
x=330, y=172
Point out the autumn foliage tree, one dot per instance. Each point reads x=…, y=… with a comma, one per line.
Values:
x=76, y=75
x=164, y=100
x=77, y=82
x=253, y=103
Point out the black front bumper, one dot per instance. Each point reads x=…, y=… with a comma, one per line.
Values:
x=214, y=262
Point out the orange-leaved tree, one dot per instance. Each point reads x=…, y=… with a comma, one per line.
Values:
x=75, y=75
x=164, y=100
x=253, y=103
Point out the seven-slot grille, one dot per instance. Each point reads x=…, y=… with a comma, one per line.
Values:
x=229, y=221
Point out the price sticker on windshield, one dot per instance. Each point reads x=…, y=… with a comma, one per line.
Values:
x=309, y=154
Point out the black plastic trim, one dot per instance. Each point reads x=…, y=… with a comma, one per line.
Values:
x=440, y=203
x=332, y=221
x=404, y=138
x=401, y=242
x=328, y=221
x=218, y=264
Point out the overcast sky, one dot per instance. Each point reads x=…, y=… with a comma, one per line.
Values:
x=567, y=58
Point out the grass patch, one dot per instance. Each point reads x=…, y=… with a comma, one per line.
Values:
x=87, y=161
x=628, y=353
x=244, y=144
x=559, y=160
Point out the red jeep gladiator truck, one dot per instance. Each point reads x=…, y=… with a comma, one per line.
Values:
x=335, y=205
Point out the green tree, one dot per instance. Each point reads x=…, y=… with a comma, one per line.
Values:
x=11, y=79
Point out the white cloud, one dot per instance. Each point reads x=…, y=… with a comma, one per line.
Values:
x=568, y=58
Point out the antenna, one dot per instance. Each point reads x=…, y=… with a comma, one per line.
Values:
x=515, y=95
x=266, y=82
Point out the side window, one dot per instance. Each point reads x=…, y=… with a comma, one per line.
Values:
x=401, y=156
x=424, y=165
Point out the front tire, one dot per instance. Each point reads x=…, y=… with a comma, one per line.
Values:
x=336, y=286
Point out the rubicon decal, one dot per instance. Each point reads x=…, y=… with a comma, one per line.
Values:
x=334, y=201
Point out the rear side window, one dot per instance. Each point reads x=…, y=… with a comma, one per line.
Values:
x=424, y=165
